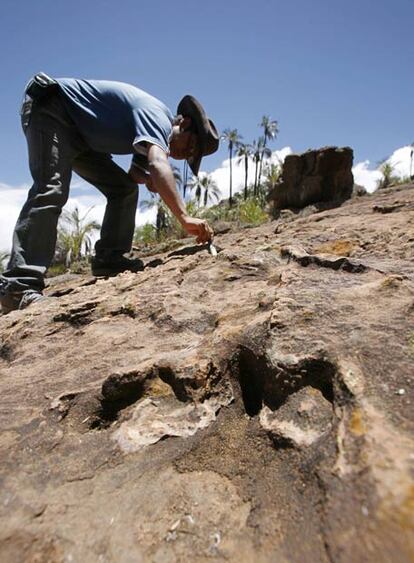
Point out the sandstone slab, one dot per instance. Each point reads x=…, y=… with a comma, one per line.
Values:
x=256, y=406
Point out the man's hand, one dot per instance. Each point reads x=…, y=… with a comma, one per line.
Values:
x=163, y=181
x=198, y=228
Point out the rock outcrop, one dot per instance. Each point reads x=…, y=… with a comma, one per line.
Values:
x=256, y=406
x=323, y=175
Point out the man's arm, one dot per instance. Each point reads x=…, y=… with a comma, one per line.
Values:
x=163, y=181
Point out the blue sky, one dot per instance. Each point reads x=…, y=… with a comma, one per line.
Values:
x=331, y=72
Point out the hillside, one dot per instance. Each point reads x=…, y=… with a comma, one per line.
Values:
x=256, y=406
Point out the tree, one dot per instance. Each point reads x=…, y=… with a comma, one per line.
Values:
x=193, y=209
x=260, y=150
x=270, y=131
x=387, y=170
x=411, y=161
x=205, y=188
x=74, y=235
x=272, y=175
x=162, y=222
x=244, y=152
x=145, y=234
x=256, y=150
x=233, y=140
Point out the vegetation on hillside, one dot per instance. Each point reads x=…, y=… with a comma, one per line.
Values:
x=203, y=199
x=74, y=241
x=389, y=175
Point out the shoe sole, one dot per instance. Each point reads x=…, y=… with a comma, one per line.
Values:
x=105, y=273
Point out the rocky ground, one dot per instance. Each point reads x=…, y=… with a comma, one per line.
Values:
x=256, y=406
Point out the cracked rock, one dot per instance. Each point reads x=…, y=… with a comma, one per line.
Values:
x=154, y=419
x=301, y=421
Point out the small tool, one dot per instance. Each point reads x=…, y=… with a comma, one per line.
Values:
x=212, y=249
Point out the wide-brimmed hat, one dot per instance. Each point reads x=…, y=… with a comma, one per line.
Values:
x=203, y=127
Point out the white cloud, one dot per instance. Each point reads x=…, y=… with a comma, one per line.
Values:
x=400, y=160
x=364, y=176
x=11, y=200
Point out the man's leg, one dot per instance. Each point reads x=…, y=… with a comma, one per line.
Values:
x=122, y=196
x=51, y=149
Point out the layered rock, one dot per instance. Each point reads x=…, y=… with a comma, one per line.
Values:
x=256, y=406
x=323, y=175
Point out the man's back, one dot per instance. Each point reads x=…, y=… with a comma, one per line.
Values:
x=113, y=117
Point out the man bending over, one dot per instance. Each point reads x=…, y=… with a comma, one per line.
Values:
x=73, y=124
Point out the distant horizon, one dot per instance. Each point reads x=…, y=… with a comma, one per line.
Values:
x=85, y=196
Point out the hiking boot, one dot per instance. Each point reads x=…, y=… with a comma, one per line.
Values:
x=9, y=300
x=115, y=265
x=12, y=300
x=31, y=296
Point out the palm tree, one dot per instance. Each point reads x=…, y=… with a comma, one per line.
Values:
x=162, y=221
x=74, y=235
x=387, y=170
x=206, y=186
x=270, y=131
x=260, y=150
x=272, y=175
x=233, y=140
x=256, y=151
x=244, y=152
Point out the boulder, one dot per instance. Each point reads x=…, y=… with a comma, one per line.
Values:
x=322, y=175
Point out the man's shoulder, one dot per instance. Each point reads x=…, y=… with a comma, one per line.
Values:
x=99, y=85
x=114, y=90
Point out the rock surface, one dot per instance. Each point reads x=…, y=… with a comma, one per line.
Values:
x=256, y=406
x=322, y=175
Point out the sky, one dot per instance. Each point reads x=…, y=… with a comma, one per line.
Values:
x=330, y=72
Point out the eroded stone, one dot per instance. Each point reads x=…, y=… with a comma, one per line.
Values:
x=303, y=419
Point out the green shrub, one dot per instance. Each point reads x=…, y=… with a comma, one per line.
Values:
x=250, y=212
x=81, y=266
x=56, y=270
x=146, y=235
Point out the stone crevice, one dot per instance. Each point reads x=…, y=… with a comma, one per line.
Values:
x=337, y=263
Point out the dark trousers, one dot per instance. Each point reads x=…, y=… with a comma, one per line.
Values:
x=55, y=149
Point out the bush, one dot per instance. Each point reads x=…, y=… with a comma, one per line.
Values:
x=81, y=266
x=56, y=270
x=250, y=212
x=146, y=235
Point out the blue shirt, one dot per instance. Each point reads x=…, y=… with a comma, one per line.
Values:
x=116, y=118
